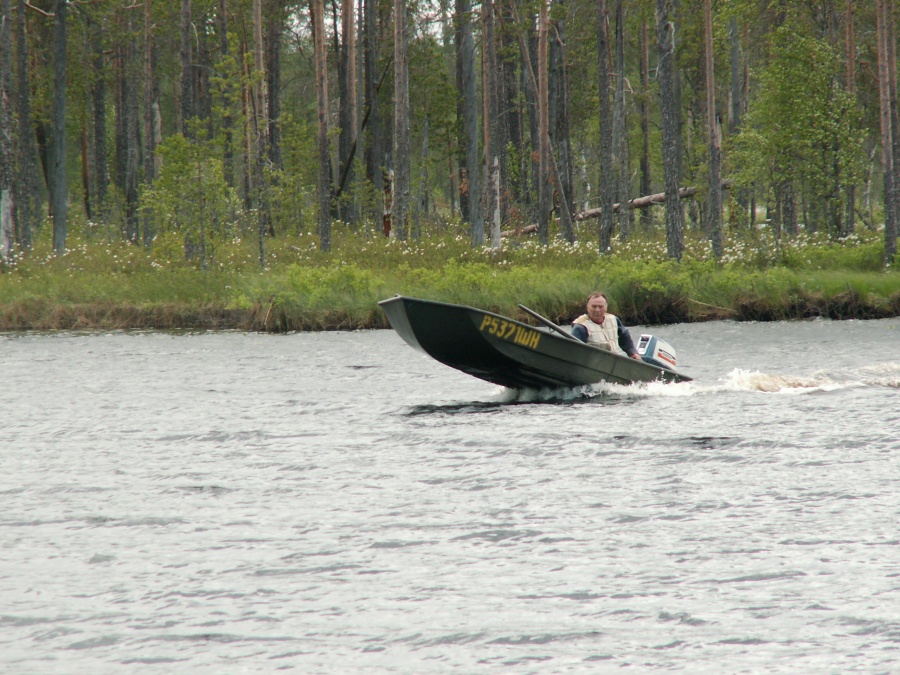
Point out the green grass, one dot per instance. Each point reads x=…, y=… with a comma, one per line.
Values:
x=99, y=283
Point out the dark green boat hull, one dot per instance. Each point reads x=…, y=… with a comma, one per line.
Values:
x=508, y=352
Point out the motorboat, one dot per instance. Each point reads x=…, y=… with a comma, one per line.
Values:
x=515, y=354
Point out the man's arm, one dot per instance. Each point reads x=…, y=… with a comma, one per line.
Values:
x=625, y=341
x=580, y=332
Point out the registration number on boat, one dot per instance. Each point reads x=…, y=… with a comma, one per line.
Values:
x=508, y=330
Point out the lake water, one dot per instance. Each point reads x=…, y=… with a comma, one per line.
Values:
x=333, y=503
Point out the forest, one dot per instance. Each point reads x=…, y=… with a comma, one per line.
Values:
x=189, y=126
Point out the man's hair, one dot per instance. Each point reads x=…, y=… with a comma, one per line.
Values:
x=597, y=294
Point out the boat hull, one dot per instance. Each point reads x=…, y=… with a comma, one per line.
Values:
x=510, y=353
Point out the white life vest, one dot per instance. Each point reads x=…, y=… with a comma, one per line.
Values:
x=605, y=335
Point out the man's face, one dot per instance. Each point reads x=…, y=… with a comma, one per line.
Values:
x=596, y=309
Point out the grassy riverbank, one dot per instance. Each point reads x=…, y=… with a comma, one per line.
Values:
x=102, y=285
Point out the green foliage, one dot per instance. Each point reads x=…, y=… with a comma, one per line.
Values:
x=318, y=288
x=190, y=197
x=815, y=252
x=304, y=288
x=803, y=127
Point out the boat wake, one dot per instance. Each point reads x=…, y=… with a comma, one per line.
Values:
x=738, y=380
x=877, y=375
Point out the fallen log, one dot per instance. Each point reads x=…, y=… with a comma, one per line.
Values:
x=636, y=203
x=528, y=229
x=646, y=201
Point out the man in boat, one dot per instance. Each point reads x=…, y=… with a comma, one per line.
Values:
x=602, y=329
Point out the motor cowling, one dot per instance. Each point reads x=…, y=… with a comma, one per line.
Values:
x=656, y=352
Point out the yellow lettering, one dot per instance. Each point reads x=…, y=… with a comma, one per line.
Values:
x=535, y=338
x=484, y=322
x=512, y=329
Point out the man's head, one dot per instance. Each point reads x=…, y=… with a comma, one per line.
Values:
x=596, y=307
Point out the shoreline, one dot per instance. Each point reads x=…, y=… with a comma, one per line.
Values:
x=43, y=316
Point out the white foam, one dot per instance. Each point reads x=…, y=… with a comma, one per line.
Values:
x=876, y=375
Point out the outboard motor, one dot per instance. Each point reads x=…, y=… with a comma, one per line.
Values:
x=656, y=352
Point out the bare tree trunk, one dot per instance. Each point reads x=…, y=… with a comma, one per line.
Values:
x=348, y=112
x=890, y=244
x=528, y=49
x=621, y=163
x=120, y=118
x=886, y=130
x=714, y=200
x=260, y=130
x=202, y=70
x=227, y=98
x=669, y=112
x=740, y=216
x=646, y=216
x=674, y=7
x=274, y=30
x=7, y=228
x=512, y=111
x=787, y=208
x=850, y=85
x=374, y=154
x=494, y=144
x=401, y=121
x=607, y=183
x=495, y=220
x=58, y=184
x=152, y=119
x=99, y=180
x=734, y=120
x=460, y=18
x=127, y=139
x=274, y=27
x=488, y=101
x=470, y=181
x=424, y=205
x=132, y=135
x=544, y=138
x=317, y=12
x=545, y=201
x=247, y=133
x=29, y=195
x=187, y=111
x=6, y=222
x=559, y=115
x=260, y=97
